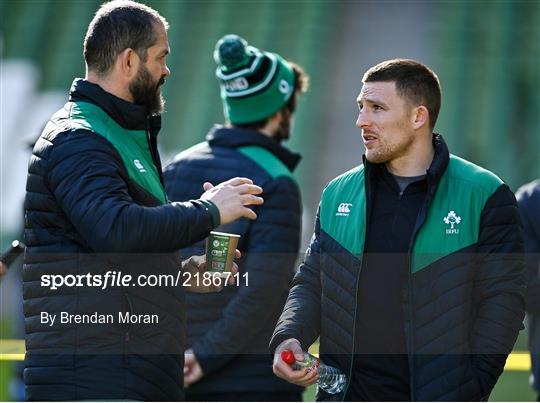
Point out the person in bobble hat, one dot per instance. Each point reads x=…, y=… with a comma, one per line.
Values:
x=228, y=334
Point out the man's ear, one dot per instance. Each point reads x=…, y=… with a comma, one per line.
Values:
x=420, y=117
x=274, y=121
x=276, y=117
x=128, y=61
x=272, y=124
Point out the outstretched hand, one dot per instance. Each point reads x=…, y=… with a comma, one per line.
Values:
x=231, y=198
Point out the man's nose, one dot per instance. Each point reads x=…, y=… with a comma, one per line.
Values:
x=362, y=121
x=165, y=71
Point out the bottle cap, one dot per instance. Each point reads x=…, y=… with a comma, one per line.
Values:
x=288, y=357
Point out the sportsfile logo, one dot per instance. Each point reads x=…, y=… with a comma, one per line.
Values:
x=344, y=209
x=452, y=219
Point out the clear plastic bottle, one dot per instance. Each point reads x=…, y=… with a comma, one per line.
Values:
x=331, y=379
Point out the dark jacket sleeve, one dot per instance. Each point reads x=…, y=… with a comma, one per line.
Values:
x=301, y=316
x=87, y=180
x=498, y=288
x=273, y=241
x=529, y=208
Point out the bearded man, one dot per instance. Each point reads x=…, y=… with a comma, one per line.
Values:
x=98, y=225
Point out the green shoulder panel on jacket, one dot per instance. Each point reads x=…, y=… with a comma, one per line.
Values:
x=132, y=145
x=191, y=149
x=453, y=220
x=267, y=161
x=343, y=210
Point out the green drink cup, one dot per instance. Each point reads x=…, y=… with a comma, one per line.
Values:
x=220, y=251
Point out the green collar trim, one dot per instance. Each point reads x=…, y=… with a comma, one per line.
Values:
x=267, y=161
x=132, y=145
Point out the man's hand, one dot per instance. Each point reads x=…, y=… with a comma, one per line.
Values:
x=3, y=269
x=192, y=370
x=231, y=198
x=196, y=266
x=303, y=377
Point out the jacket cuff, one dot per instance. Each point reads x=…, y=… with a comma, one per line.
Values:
x=280, y=337
x=214, y=212
x=211, y=362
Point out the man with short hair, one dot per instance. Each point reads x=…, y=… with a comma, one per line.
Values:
x=416, y=288
x=228, y=334
x=100, y=232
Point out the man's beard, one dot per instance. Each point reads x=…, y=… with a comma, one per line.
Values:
x=146, y=92
x=388, y=152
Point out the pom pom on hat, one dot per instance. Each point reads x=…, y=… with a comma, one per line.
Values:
x=232, y=52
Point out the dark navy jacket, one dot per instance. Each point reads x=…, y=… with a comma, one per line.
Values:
x=229, y=331
x=462, y=301
x=528, y=197
x=89, y=208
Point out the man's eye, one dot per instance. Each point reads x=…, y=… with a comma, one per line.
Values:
x=377, y=107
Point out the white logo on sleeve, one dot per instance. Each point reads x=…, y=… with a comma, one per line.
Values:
x=139, y=166
x=344, y=209
x=452, y=219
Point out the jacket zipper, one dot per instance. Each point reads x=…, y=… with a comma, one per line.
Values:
x=410, y=343
x=354, y=331
x=367, y=193
x=153, y=150
x=410, y=356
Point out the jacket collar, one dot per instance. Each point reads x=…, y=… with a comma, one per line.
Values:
x=128, y=115
x=440, y=160
x=435, y=170
x=235, y=138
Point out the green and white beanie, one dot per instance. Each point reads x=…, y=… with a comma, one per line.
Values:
x=254, y=84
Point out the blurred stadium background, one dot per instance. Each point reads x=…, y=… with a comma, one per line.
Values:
x=486, y=53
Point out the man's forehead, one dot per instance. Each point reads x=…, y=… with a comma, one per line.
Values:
x=162, y=43
x=377, y=89
x=161, y=33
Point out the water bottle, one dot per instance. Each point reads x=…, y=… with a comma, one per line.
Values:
x=331, y=379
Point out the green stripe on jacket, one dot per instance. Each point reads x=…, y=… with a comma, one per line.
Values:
x=343, y=210
x=452, y=221
x=267, y=161
x=132, y=145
